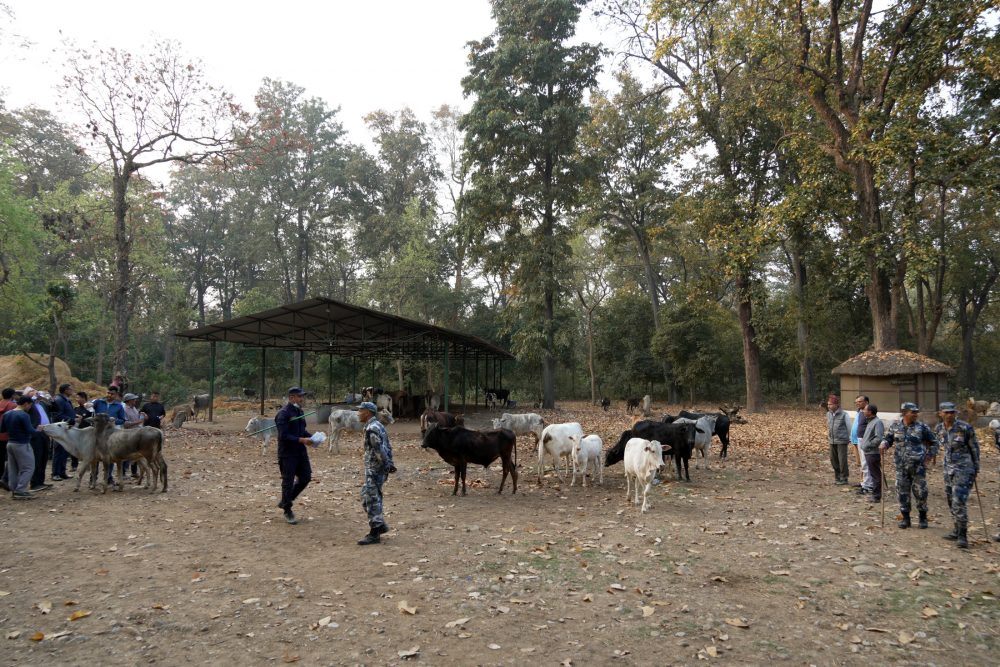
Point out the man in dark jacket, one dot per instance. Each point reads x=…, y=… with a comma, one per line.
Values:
x=39, y=441
x=153, y=411
x=293, y=459
x=20, y=457
x=62, y=412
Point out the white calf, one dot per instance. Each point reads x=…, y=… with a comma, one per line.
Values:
x=642, y=459
x=558, y=441
x=262, y=428
x=588, y=450
x=80, y=443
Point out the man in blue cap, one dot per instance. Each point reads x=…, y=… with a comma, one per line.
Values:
x=961, y=465
x=378, y=466
x=293, y=459
x=915, y=445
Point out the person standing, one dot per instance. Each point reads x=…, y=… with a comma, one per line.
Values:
x=153, y=411
x=84, y=413
x=20, y=456
x=871, y=438
x=378, y=466
x=961, y=466
x=39, y=441
x=915, y=445
x=293, y=459
x=132, y=420
x=995, y=427
x=6, y=405
x=858, y=432
x=62, y=412
x=838, y=435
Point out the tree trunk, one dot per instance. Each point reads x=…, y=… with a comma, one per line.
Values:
x=121, y=281
x=399, y=373
x=884, y=306
x=800, y=279
x=52, y=365
x=751, y=351
x=590, y=356
x=99, y=363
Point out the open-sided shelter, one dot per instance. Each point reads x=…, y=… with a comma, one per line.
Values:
x=335, y=328
x=892, y=377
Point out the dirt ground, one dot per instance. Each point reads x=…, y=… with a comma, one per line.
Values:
x=759, y=559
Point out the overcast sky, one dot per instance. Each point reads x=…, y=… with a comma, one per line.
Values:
x=360, y=56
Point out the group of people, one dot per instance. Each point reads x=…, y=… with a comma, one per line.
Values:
x=915, y=446
x=25, y=449
x=296, y=472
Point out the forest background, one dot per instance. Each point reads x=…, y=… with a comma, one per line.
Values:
x=765, y=189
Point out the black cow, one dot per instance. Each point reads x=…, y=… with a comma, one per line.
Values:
x=249, y=393
x=431, y=418
x=502, y=395
x=631, y=403
x=460, y=446
x=721, y=427
x=605, y=403
x=676, y=439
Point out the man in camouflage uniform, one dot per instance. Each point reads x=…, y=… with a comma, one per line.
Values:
x=995, y=427
x=378, y=466
x=915, y=445
x=961, y=465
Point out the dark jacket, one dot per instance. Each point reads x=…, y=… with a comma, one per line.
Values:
x=290, y=430
x=154, y=412
x=63, y=411
x=18, y=425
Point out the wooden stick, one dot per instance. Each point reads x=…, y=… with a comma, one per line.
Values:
x=982, y=515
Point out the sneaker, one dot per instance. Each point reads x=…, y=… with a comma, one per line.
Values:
x=290, y=517
x=59, y=478
x=21, y=495
x=841, y=482
x=40, y=487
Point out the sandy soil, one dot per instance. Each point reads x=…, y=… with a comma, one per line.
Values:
x=760, y=559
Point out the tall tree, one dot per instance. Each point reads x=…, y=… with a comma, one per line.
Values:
x=521, y=137
x=863, y=72
x=143, y=110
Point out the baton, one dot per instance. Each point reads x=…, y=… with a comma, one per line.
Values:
x=982, y=515
x=302, y=416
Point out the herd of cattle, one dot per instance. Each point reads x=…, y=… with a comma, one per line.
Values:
x=644, y=448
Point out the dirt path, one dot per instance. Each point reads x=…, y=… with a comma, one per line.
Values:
x=760, y=559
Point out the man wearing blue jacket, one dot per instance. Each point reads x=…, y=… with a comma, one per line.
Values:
x=293, y=459
x=62, y=412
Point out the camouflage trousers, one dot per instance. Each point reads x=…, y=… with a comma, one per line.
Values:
x=911, y=477
x=958, y=483
x=371, y=497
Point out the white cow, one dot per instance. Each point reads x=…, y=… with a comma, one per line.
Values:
x=558, y=441
x=647, y=405
x=704, y=428
x=521, y=424
x=348, y=420
x=384, y=402
x=642, y=459
x=80, y=443
x=588, y=450
x=264, y=429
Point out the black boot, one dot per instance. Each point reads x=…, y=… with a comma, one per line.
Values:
x=290, y=516
x=963, y=538
x=953, y=535
x=923, y=520
x=905, y=521
x=370, y=538
x=380, y=529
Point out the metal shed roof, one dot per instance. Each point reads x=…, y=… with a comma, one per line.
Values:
x=333, y=327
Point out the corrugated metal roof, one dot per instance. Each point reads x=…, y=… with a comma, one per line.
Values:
x=333, y=327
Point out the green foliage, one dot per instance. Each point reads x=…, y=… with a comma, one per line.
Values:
x=702, y=343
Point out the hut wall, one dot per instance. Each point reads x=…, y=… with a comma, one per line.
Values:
x=879, y=391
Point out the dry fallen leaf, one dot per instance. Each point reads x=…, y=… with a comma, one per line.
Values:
x=404, y=606
x=251, y=600
x=780, y=573
x=37, y=637
x=737, y=623
x=44, y=606
x=905, y=637
x=290, y=658
x=712, y=651
x=77, y=615
x=408, y=654
x=4, y=594
x=457, y=622
x=647, y=611
x=14, y=635
x=929, y=612
x=588, y=598
x=493, y=647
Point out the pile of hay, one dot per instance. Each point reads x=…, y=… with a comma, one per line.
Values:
x=18, y=371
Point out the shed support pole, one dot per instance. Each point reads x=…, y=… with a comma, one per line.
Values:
x=211, y=382
x=475, y=393
x=463, y=380
x=446, y=373
x=354, y=375
x=300, y=355
x=263, y=376
x=500, y=386
x=329, y=379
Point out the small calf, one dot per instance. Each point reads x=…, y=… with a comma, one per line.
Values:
x=264, y=429
x=586, y=451
x=642, y=459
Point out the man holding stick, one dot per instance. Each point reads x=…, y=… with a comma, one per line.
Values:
x=293, y=459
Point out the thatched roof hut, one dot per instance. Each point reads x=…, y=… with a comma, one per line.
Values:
x=892, y=377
